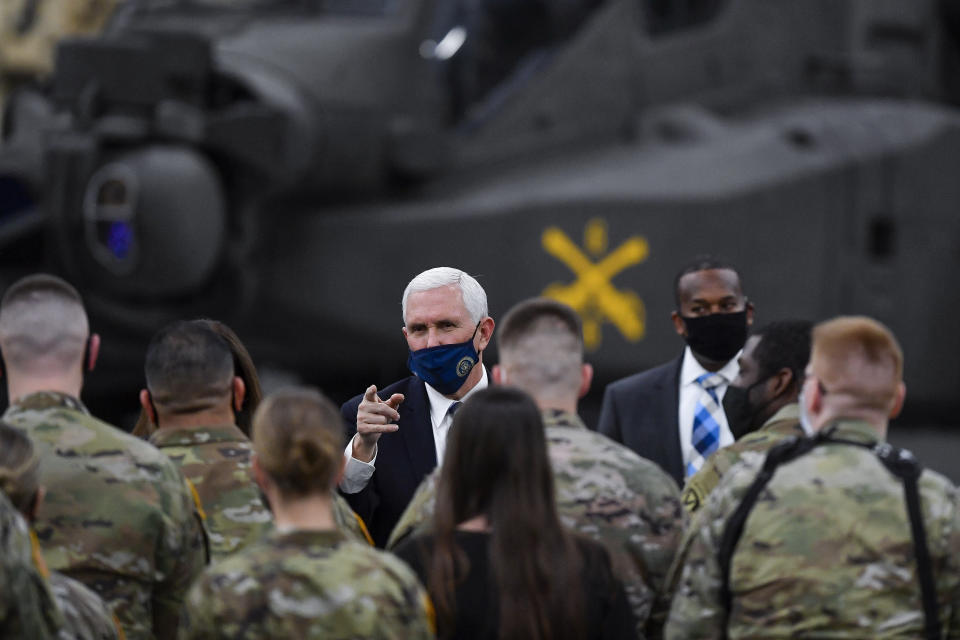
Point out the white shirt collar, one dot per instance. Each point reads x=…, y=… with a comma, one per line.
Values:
x=439, y=403
x=690, y=370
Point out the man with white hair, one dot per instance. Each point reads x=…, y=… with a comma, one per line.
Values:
x=447, y=327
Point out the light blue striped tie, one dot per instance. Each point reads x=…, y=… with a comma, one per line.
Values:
x=706, y=425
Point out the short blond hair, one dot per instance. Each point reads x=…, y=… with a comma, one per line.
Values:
x=858, y=357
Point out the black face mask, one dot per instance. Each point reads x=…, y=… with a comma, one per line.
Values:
x=718, y=336
x=741, y=413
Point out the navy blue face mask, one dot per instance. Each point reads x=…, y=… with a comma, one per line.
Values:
x=446, y=366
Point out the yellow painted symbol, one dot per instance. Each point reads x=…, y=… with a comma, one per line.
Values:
x=592, y=294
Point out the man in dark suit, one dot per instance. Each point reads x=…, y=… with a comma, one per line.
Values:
x=673, y=414
x=400, y=435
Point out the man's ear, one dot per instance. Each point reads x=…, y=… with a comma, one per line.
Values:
x=749, y=309
x=239, y=393
x=93, y=351
x=678, y=324
x=898, y=402
x=485, y=332
x=497, y=374
x=586, y=377
x=148, y=407
x=782, y=381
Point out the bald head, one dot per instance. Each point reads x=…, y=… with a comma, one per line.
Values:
x=541, y=352
x=43, y=326
x=859, y=365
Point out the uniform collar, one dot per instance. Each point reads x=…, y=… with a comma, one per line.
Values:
x=439, y=403
x=558, y=418
x=42, y=400
x=304, y=537
x=786, y=412
x=849, y=429
x=690, y=370
x=187, y=436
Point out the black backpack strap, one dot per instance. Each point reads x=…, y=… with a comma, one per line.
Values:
x=905, y=466
x=785, y=451
x=899, y=462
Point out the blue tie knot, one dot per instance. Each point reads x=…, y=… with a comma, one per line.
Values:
x=710, y=380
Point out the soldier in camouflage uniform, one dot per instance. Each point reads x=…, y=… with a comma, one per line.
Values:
x=118, y=515
x=826, y=550
x=305, y=580
x=192, y=401
x=192, y=396
x=773, y=359
x=27, y=607
x=604, y=490
x=85, y=615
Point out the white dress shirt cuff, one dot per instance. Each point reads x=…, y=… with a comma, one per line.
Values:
x=356, y=473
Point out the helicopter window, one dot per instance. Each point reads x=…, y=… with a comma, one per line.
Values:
x=666, y=16
x=491, y=46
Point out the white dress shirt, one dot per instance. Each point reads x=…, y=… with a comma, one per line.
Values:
x=357, y=473
x=689, y=394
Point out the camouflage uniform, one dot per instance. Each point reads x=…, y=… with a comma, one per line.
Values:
x=217, y=461
x=308, y=584
x=607, y=493
x=826, y=552
x=118, y=515
x=85, y=615
x=27, y=607
x=784, y=423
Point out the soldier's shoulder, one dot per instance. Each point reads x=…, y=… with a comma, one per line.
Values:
x=577, y=448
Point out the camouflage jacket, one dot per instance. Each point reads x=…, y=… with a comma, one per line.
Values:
x=826, y=552
x=308, y=584
x=609, y=494
x=217, y=461
x=784, y=423
x=85, y=615
x=118, y=515
x=27, y=605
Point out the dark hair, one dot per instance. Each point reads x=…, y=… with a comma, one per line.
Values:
x=701, y=263
x=188, y=367
x=243, y=368
x=19, y=468
x=299, y=440
x=785, y=343
x=497, y=465
x=521, y=317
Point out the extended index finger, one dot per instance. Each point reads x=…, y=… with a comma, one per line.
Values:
x=370, y=395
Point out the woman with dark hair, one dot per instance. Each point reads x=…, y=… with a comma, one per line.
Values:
x=305, y=579
x=498, y=563
x=85, y=615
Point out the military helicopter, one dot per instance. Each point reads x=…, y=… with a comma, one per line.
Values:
x=287, y=166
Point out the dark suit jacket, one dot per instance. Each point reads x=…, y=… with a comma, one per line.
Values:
x=642, y=412
x=404, y=458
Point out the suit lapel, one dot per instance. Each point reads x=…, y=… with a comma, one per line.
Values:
x=670, y=396
x=416, y=430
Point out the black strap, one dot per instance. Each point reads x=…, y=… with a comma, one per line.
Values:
x=900, y=462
